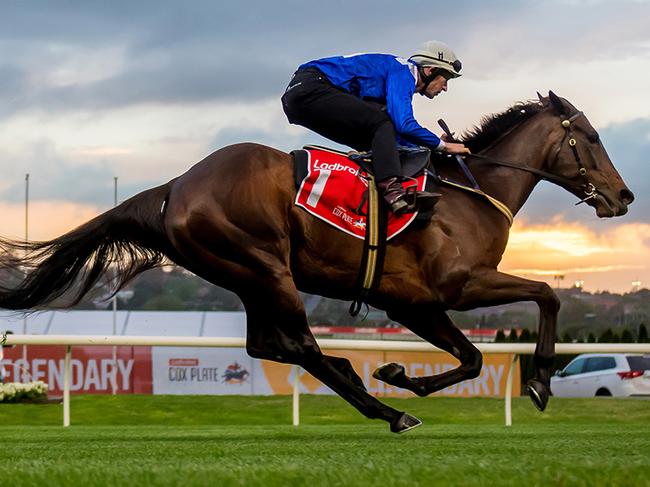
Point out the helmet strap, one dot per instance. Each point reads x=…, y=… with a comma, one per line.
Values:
x=426, y=78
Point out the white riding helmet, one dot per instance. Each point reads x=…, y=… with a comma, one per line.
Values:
x=439, y=55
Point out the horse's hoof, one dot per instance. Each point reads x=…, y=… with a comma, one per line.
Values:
x=404, y=423
x=389, y=372
x=538, y=393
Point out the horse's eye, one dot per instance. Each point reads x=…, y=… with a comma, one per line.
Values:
x=593, y=138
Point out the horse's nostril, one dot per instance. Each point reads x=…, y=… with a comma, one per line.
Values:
x=627, y=196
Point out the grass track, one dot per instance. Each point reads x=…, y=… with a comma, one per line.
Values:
x=204, y=440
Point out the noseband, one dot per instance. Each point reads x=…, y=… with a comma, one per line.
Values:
x=589, y=190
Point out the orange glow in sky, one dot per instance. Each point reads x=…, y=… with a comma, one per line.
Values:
x=47, y=219
x=604, y=261
x=609, y=260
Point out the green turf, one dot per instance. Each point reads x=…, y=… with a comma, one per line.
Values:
x=204, y=440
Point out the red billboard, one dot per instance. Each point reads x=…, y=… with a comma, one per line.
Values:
x=93, y=369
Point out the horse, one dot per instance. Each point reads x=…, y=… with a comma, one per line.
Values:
x=235, y=373
x=231, y=219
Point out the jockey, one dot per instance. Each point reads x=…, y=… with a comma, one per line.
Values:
x=365, y=101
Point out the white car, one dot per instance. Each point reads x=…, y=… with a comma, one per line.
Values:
x=603, y=374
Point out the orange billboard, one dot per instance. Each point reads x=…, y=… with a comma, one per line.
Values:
x=490, y=382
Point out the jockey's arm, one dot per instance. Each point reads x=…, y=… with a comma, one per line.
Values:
x=399, y=96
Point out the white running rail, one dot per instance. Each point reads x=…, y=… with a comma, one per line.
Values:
x=327, y=344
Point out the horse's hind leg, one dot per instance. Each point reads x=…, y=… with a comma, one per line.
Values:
x=437, y=328
x=277, y=330
x=246, y=249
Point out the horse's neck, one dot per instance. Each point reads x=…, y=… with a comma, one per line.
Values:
x=513, y=186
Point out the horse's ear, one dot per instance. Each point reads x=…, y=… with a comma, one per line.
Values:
x=557, y=103
x=542, y=101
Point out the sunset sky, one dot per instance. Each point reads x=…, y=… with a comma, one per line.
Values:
x=141, y=90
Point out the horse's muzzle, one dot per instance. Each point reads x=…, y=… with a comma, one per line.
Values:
x=609, y=204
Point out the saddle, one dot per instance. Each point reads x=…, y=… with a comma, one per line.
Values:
x=413, y=160
x=416, y=160
x=357, y=210
x=339, y=188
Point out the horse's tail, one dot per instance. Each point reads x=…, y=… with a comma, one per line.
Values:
x=118, y=244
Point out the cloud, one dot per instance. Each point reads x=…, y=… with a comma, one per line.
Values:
x=173, y=77
x=628, y=145
x=96, y=56
x=287, y=140
x=607, y=259
x=162, y=52
x=47, y=219
x=142, y=90
x=56, y=178
x=576, y=270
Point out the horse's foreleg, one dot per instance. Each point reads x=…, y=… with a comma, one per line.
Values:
x=492, y=288
x=436, y=327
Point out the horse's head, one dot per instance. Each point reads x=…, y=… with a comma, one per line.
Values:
x=581, y=161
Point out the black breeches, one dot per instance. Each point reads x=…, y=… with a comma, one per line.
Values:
x=313, y=102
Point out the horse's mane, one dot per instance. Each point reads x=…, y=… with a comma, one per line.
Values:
x=493, y=126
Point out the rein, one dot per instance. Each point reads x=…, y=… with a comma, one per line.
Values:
x=588, y=188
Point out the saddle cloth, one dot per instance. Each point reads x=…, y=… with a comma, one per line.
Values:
x=334, y=190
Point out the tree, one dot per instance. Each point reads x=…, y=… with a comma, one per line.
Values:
x=643, y=334
x=575, y=313
x=609, y=337
x=525, y=336
x=461, y=320
x=627, y=337
x=500, y=336
x=518, y=318
x=606, y=337
x=164, y=302
x=513, y=335
x=591, y=338
x=526, y=362
x=566, y=337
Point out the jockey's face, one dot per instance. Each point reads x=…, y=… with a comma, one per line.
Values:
x=437, y=86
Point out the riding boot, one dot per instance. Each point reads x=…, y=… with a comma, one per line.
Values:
x=401, y=201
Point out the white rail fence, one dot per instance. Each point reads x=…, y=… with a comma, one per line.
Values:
x=515, y=349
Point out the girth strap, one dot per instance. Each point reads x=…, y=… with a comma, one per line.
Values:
x=374, y=247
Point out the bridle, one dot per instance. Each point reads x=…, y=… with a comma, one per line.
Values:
x=589, y=190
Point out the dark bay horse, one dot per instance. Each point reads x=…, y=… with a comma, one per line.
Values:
x=231, y=219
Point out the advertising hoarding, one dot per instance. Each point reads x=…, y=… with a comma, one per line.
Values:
x=189, y=370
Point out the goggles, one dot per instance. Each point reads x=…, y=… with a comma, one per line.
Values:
x=456, y=65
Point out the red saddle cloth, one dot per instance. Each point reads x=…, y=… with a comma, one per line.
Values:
x=333, y=191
